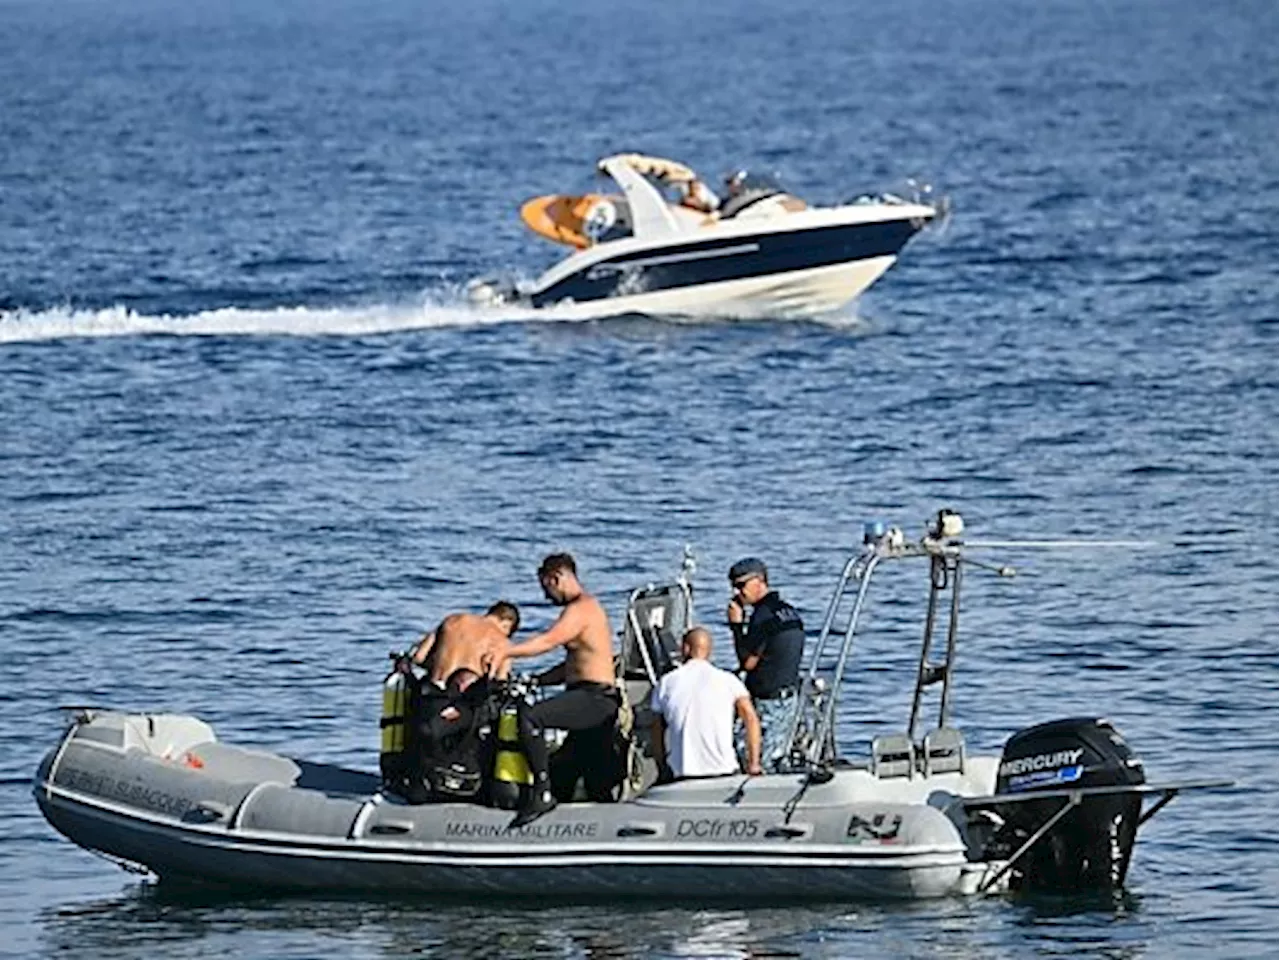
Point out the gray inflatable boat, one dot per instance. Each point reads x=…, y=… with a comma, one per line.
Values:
x=1059, y=810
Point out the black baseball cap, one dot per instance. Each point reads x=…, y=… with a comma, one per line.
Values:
x=748, y=567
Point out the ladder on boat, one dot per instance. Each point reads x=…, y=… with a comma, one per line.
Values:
x=810, y=743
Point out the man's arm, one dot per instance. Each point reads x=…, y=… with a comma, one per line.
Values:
x=750, y=720
x=423, y=649
x=562, y=631
x=494, y=662
x=736, y=617
x=748, y=651
x=659, y=734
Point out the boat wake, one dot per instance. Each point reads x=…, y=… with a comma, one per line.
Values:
x=69, y=323
x=60, y=323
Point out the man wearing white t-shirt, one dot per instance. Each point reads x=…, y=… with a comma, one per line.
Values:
x=694, y=707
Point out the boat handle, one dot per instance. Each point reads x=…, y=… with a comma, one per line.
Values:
x=785, y=833
x=391, y=828
x=207, y=811
x=637, y=831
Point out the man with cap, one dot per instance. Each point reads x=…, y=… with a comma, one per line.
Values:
x=769, y=646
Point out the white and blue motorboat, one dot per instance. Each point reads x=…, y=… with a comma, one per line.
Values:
x=763, y=253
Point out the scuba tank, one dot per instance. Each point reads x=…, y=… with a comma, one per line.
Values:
x=397, y=691
x=511, y=774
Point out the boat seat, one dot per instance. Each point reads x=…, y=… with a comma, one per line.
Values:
x=893, y=755
x=225, y=761
x=943, y=751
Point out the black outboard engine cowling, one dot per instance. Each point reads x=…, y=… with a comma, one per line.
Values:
x=1089, y=848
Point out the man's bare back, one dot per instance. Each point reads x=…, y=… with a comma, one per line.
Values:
x=478, y=643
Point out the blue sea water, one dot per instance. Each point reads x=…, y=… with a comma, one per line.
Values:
x=252, y=437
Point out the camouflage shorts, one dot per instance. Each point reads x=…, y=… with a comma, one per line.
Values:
x=775, y=724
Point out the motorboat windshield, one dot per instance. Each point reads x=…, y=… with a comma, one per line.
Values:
x=742, y=181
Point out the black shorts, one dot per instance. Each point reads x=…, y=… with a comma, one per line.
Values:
x=582, y=706
x=589, y=711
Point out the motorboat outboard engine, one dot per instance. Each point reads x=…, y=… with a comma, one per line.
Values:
x=491, y=292
x=1088, y=848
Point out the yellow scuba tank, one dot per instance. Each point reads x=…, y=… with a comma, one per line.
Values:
x=511, y=774
x=393, y=759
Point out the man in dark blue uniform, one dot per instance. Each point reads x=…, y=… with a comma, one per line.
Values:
x=769, y=646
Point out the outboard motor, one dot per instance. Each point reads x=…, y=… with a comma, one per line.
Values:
x=1089, y=848
x=491, y=292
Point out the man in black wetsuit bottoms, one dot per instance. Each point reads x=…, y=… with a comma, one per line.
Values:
x=769, y=646
x=588, y=708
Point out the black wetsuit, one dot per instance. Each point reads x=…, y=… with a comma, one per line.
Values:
x=589, y=711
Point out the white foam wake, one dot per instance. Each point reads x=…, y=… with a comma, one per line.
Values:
x=67, y=323
x=19, y=326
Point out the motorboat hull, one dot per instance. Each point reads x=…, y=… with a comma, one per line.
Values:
x=694, y=269
x=796, y=294
x=184, y=855
x=211, y=813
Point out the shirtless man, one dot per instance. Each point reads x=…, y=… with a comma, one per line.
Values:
x=588, y=708
x=466, y=640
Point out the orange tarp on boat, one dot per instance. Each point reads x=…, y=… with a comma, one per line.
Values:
x=560, y=217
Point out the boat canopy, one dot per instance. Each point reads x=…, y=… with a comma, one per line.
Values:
x=651, y=215
x=668, y=171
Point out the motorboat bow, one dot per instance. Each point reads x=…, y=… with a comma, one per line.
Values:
x=662, y=244
x=920, y=817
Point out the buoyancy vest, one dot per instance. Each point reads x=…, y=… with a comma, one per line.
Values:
x=450, y=753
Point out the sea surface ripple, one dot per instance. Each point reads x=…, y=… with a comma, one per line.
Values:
x=252, y=437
